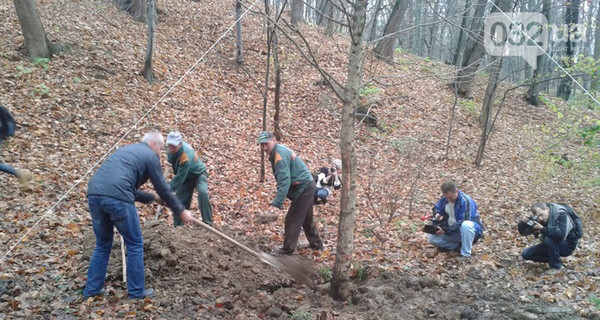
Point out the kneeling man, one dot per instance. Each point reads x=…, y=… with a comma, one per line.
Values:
x=465, y=226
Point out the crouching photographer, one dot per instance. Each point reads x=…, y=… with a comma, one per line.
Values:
x=560, y=229
x=460, y=213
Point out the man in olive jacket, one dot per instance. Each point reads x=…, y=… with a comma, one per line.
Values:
x=295, y=182
x=190, y=173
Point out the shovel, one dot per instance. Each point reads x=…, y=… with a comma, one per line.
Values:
x=299, y=270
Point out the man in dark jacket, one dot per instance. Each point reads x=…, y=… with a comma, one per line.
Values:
x=112, y=192
x=295, y=182
x=560, y=234
x=190, y=173
x=7, y=129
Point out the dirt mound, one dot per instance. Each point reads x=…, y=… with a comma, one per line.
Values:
x=198, y=275
x=191, y=267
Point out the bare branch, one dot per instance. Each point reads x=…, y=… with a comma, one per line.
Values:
x=324, y=15
x=309, y=57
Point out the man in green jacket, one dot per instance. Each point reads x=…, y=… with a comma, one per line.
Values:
x=295, y=182
x=190, y=173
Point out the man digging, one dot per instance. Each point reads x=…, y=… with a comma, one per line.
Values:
x=295, y=181
x=190, y=173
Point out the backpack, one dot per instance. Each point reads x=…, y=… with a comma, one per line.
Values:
x=577, y=223
x=7, y=123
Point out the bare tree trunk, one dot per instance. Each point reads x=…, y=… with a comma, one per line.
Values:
x=276, y=129
x=138, y=11
x=596, y=82
x=36, y=42
x=433, y=29
x=473, y=52
x=452, y=116
x=297, y=8
x=324, y=9
x=343, y=258
x=488, y=106
x=266, y=95
x=147, y=72
x=239, y=58
x=386, y=46
x=533, y=93
x=490, y=92
x=461, y=35
x=330, y=25
x=565, y=87
x=374, y=21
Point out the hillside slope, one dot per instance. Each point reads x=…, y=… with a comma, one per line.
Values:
x=72, y=109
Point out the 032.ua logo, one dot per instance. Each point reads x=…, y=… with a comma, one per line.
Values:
x=523, y=34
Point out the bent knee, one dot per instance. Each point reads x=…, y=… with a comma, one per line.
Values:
x=467, y=226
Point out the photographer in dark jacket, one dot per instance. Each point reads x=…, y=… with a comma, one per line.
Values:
x=111, y=193
x=559, y=234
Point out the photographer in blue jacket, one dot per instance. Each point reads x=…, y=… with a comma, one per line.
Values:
x=465, y=226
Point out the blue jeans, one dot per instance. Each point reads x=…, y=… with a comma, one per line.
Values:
x=464, y=239
x=549, y=251
x=8, y=169
x=321, y=193
x=108, y=212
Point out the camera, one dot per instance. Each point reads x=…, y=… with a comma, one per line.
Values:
x=526, y=227
x=432, y=227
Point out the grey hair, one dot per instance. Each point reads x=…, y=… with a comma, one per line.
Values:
x=153, y=136
x=538, y=205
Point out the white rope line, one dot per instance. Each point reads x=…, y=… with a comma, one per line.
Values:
x=547, y=54
x=51, y=209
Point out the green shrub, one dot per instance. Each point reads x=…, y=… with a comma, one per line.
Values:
x=301, y=315
x=470, y=107
x=325, y=274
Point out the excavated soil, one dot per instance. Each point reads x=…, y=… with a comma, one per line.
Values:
x=197, y=275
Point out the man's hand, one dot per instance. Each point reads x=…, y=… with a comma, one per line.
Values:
x=274, y=210
x=537, y=226
x=439, y=231
x=186, y=216
x=438, y=217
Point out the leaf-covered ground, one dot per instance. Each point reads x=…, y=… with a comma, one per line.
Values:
x=72, y=109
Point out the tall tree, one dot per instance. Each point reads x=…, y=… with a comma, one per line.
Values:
x=474, y=51
x=565, y=87
x=433, y=28
x=36, y=41
x=488, y=103
x=343, y=257
x=239, y=58
x=277, y=66
x=147, y=72
x=324, y=10
x=297, y=12
x=387, y=44
x=533, y=93
x=464, y=24
x=374, y=20
x=596, y=82
x=266, y=92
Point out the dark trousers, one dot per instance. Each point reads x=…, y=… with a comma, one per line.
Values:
x=300, y=215
x=186, y=193
x=549, y=251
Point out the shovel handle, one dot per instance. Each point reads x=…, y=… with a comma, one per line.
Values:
x=239, y=245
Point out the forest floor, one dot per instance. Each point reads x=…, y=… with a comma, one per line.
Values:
x=72, y=109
